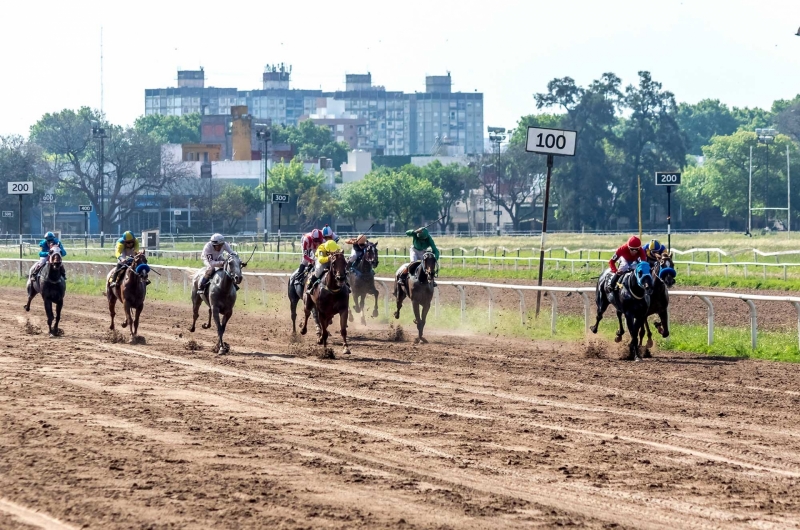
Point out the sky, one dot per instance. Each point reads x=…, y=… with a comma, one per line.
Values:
x=743, y=52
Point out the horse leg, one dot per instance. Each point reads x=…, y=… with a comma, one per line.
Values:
x=323, y=338
x=56, y=329
x=664, y=330
x=633, y=347
x=362, y=302
x=293, y=310
x=649, y=335
x=602, y=304
x=112, y=309
x=48, y=309
x=375, y=309
x=355, y=307
x=400, y=296
x=218, y=347
x=421, y=324
x=307, y=306
x=207, y=324
x=138, y=312
x=343, y=327
x=31, y=296
x=195, y=309
x=621, y=330
x=221, y=326
x=126, y=312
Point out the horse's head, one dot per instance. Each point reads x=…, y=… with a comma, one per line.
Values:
x=338, y=265
x=643, y=276
x=54, y=258
x=429, y=264
x=371, y=254
x=233, y=268
x=139, y=258
x=666, y=269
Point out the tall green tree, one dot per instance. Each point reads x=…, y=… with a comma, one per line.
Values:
x=21, y=160
x=237, y=202
x=354, y=202
x=704, y=120
x=454, y=181
x=306, y=188
x=170, y=129
x=312, y=141
x=408, y=198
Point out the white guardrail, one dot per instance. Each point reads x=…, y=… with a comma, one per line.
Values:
x=586, y=293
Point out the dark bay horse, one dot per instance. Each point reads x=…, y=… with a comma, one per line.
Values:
x=131, y=291
x=50, y=283
x=330, y=297
x=220, y=297
x=632, y=300
x=296, y=290
x=420, y=290
x=362, y=280
x=664, y=274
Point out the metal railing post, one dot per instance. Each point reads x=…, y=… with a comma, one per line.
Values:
x=710, y=308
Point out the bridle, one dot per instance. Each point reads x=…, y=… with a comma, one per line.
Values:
x=430, y=271
x=331, y=277
x=229, y=261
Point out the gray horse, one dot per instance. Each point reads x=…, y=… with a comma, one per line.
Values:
x=52, y=286
x=219, y=296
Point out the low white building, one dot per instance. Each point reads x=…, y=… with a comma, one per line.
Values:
x=358, y=164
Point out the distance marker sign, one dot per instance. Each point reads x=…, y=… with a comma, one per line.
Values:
x=551, y=141
x=668, y=178
x=280, y=198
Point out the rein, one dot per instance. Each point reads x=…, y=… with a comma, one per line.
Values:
x=630, y=289
x=330, y=276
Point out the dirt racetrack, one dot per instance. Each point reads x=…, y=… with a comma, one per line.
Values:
x=466, y=432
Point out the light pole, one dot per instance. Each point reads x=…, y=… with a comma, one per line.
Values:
x=99, y=133
x=497, y=135
x=766, y=137
x=483, y=180
x=264, y=136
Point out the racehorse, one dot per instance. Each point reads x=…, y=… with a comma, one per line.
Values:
x=296, y=290
x=330, y=297
x=420, y=290
x=632, y=300
x=220, y=297
x=362, y=280
x=664, y=277
x=50, y=283
x=131, y=291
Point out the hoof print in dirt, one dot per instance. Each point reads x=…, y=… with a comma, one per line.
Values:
x=396, y=333
x=32, y=329
x=192, y=345
x=114, y=337
x=138, y=339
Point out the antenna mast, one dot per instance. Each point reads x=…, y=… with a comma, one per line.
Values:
x=101, y=69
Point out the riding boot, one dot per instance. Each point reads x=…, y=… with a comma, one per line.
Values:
x=203, y=284
x=613, y=282
x=314, y=281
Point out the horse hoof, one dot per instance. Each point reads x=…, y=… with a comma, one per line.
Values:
x=647, y=354
x=350, y=317
x=124, y=324
x=637, y=359
x=346, y=350
x=417, y=340
x=27, y=308
x=593, y=329
x=649, y=343
x=205, y=326
x=423, y=340
x=397, y=314
x=374, y=314
x=191, y=329
x=303, y=331
x=415, y=322
x=618, y=338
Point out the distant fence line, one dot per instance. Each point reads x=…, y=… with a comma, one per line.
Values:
x=185, y=274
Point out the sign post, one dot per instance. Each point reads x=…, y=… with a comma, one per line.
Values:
x=550, y=142
x=281, y=199
x=668, y=179
x=19, y=189
x=85, y=208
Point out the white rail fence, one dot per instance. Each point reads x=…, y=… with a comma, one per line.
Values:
x=183, y=275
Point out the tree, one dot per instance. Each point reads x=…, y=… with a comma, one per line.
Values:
x=704, y=120
x=723, y=179
x=401, y=194
x=312, y=141
x=305, y=187
x=237, y=202
x=354, y=202
x=454, y=181
x=134, y=162
x=21, y=160
x=788, y=121
x=752, y=119
x=517, y=184
x=183, y=129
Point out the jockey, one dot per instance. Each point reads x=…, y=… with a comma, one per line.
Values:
x=359, y=246
x=212, y=257
x=420, y=243
x=126, y=248
x=323, y=252
x=628, y=254
x=653, y=248
x=309, y=243
x=50, y=240
x=328, y=234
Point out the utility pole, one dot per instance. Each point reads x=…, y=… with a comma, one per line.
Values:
x=99, y=133
x=496, y=135
x=264, y=135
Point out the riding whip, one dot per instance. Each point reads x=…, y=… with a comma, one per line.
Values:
x=430, y=224
x=251, y=256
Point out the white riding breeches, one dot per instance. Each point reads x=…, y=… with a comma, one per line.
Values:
x=416, y=255
x=623, y=266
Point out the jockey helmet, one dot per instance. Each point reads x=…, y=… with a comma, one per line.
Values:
x=361, y=240
x=217, y=239
x=654, y=244
x=128, y=236
x=327, y=231
x=50, y=236
x=316, y=234
x=634, y=243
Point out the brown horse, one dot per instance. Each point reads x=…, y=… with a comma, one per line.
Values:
x=420, y=288
x=131, y=291
x=362, y=278
x=330, y=297
x=50, y=283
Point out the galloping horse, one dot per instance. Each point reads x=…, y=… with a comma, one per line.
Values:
x=362, y=279
x=131, y=291
x=220, y=297
x=664, y=277
x=330, y=297
x=50, y=283
x=296, y=290
x=633, y=300
x=420, y=290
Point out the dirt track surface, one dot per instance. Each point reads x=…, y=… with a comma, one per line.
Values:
x=465, y=432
